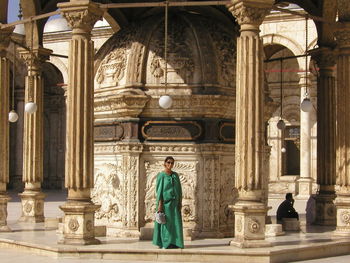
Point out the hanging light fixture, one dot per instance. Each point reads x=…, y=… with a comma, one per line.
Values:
x=283, y=150
x=165, y=101
x=281, y=124
x=31, y=106
x=13, y=116
x=306, y=104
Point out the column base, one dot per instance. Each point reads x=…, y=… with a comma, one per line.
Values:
x=342, y=203
x=78, y=223
x=250, y=224
x=304, y=188
x=325, y=210
x=32, y=206
x=4, y=198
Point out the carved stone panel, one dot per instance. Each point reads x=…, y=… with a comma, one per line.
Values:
x=108, y=132
x=171, y=130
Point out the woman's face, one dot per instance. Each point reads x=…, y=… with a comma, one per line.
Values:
x=169, y=164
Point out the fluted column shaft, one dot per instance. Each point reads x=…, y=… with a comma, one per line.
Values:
x=80, y=106
x=79, y=211
x=33, y=137
x=4, y=125
x=326, y=134
x=250, y=210
x=342, y=167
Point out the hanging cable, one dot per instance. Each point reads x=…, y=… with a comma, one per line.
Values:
x=280, y=124
x=306, y=51
x=13, y=78
x=165, y=101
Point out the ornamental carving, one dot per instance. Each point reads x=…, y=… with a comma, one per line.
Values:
x=343, y=37
x=27, y=207
x=180, y=58
x=108, y=193
x=39, y=207
x=211, y=192
x=110, y=132
x=130, y=175
x=73, y=224
x=187, y=173
x=254, y=226
x=345, y=217
x=225, y=49
x=5, y=38
x=112, y=68
x=249, y=15
x=331, y=211
x=324, y=58
x=84, y=19
x=171, y=130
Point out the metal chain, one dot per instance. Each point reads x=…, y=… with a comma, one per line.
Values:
x=306, y=51
x=13, y=77
x=166, y=44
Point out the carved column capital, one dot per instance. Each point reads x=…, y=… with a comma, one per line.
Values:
x=343, y=10
x=5, y=36
x=250, y=12
x=342, y=34
x=324, y=57
x=34, y=59
x=81, y=15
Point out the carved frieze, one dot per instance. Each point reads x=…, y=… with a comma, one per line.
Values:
x=171, y=130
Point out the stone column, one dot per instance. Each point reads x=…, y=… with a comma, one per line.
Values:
x=32, y=197
x=342, y=167
x=326, y=134
x=5, y=35
x=79, y=210
x=250, y=209
x=305, y=180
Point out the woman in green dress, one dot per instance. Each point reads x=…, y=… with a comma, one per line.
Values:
x=169, y=201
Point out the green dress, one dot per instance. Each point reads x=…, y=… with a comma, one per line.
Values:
x=168, y=189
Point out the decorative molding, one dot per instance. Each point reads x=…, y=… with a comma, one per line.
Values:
x=108, y=132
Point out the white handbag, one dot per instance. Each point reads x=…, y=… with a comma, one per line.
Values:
x=160, y=217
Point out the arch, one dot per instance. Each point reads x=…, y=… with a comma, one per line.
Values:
x=61, y=66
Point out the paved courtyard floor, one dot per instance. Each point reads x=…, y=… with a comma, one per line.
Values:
x=32, y=243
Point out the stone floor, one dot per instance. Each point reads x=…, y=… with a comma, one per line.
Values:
x=32, y=243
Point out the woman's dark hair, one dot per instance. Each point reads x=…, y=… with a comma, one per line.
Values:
x=169, y=158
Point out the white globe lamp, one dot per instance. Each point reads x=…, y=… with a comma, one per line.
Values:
x=30, y=107
x=165, y=102
x=283, y=150
x=281, y=125
x=306, y=105
x=13, y=116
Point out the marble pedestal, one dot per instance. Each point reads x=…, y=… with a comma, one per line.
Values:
x=249, y=225
x=325, y=210
x=4, y=198
x=78, y=223
x=342, y=203
x=32, y=206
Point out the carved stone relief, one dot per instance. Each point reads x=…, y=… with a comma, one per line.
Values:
x=187, y=173
x=108, y=193
x=225, y=48
x=113, y=66
x=181, y=64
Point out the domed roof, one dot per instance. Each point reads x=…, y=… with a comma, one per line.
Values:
x=56, y=25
